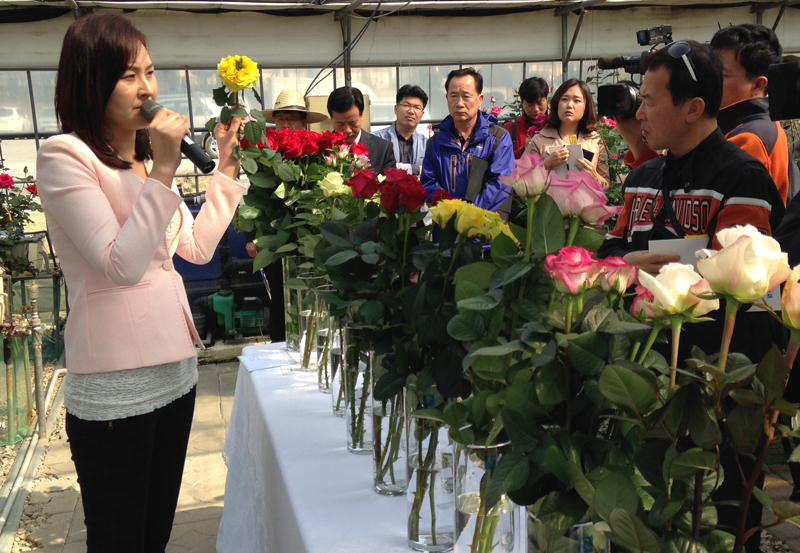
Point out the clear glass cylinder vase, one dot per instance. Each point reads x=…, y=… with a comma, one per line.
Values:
x=388, y=435
x=358, y=356
x=309, y=319
x=481, y=527
x=291, y=270
x=336, y=371
x=326, y=338
x=578, y=538
x=429, y=469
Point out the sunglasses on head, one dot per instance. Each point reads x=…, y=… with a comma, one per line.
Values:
x=681, y=49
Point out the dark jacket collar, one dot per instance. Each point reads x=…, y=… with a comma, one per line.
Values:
x=681, y=172
x=736, y=114
x=447, y=132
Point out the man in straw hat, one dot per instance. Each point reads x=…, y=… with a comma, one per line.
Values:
x=291, y=111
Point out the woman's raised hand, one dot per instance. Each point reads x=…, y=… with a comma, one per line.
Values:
x=227, y=138
x=556, y=158
x=167, y=129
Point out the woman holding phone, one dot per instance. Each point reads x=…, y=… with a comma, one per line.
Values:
x=572, y=120
x=116, y=220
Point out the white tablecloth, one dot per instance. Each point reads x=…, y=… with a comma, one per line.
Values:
x=292, y=486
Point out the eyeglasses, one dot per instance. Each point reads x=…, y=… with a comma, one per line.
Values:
x=680, y=49
x=412, y=107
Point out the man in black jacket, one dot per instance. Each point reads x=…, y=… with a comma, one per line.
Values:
x=346, y=108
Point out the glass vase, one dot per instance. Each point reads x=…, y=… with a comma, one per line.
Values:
x=291, y=270
x=336, y=371
x=326, y=338
x=429, y=469
x=357, y=357
x=388, y=438
x=578, y=538
x=481, y=527
x=309, y=319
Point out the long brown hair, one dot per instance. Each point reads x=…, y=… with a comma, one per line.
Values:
x=96, y=52
x=588, y=122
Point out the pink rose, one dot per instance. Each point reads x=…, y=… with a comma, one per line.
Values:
x=496, y=110
x=572, y=269
x=580, y=195
x=493, y=99
x=610, y=123
x=642, y=306
x=529, y=177
x=330, y=160
x=617, y=274
x=6, y=181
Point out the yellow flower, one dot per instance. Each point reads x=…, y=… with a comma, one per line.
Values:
x=472, y=221
x=444, y=211
x=238, y=72
x=333, y=185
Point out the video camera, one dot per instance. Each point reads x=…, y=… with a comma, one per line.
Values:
x=784, y=91
x=622, y=99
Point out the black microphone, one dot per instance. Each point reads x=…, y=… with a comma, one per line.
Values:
x=192, y=151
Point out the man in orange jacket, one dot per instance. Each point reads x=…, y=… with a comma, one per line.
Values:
x=746, y=51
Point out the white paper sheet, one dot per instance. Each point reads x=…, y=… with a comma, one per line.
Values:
x=575, y=153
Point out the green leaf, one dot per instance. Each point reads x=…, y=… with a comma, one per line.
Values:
x=284, y=172
x=626, y=388
x=589, y=239
x=579, y=481
x=501, y=277
x=263, y=259
x=550, y=384
x=258, y=116
x=388, y=386
x=466, y=289
x=560, y=512
x=220, y=96
x=225, y=115
x=510, y=474
x=548, y=227
x=249, y=165
x=475, y=273
x=466, y=326
x=520, y=430
x=497, y=351
x=239, y=112
x=261, y=179
x=336, y=233
x=588, y=352
x=479, y=303
x=489, y=368
x=210, y=124
x=286, y=248
x=690, y=462
x=666, y=506
x=615, y=491
x=503, y=246
x=677, y=542
x=248, y=212
x=745, y=425
x=786, y=511
x=370, y=312
x=773, y=372
x=253, y=132
x=341, y=257
x=718, y=541
x=762, y=497
x=703, y=427
x=429, y=414
x=632, y=532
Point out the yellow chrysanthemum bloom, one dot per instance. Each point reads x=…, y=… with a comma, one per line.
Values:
x=238, y=72
x=444, y=211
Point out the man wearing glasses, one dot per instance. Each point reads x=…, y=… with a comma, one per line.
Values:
x=705, y=183
x=409, y=145
x=711, y=183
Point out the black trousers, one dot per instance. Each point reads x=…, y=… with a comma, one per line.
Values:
x=130, y=472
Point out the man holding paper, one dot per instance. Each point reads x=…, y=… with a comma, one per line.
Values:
x=711, y=183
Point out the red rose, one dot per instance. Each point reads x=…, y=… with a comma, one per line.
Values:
x=244, y=143
x=363, y=183
x=328, y=140
x=290, y=144
x=359, y=149
x=390, y=197
x=6, y=181
x=32, y=189
x=412, y=195
x=394, y=175
x=271, y=139
x=440, y=195
x=308, y=140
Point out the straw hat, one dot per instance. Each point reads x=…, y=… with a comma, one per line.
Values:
x=291, y=100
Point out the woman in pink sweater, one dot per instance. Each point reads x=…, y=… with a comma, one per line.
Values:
x=116, y=220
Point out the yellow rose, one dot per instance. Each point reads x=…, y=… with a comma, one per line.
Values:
x=472, y=221
x=238, y=72
x=333, y=185
x=444, y=211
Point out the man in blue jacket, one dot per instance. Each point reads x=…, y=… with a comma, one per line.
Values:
x=409, y=145
x=471, y=151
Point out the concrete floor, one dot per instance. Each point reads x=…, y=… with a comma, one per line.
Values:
x=57, y=500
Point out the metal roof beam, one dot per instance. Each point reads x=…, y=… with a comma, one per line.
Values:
x=576, y=7
x=760, y=7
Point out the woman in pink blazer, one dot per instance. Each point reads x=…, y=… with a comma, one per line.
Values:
x=116, y=222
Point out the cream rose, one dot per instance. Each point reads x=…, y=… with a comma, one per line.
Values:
x=790, y=301
x=747, y=267
x=675, y=290
x=333, y=185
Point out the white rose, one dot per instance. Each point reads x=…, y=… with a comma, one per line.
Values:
x=675, y=290
x=333, y=185
x=747, y=267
